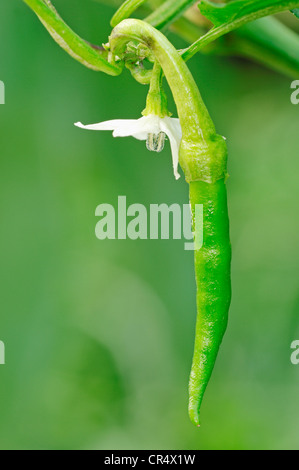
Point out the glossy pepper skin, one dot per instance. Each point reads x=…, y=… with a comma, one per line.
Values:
x=212, y=270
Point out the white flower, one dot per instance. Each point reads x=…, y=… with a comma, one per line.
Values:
x=151, y=128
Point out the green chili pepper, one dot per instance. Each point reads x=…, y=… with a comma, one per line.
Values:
x=203, y=153
x=203, y=157
x=212, y=268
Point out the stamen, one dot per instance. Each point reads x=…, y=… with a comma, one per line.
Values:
x=155, y=142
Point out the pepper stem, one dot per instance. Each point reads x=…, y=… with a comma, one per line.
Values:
x=203, y=154
x=156, y=102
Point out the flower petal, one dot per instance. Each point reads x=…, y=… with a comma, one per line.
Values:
x=108, y=125
x=141, y=128
x=138, y=128
x=172, y=129
x=146, y=125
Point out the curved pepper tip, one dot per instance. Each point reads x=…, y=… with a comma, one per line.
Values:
x=194, y=417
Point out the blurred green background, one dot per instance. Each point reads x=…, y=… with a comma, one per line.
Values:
x=99, y=334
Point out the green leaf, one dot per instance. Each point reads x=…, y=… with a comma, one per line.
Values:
x=296, y=12
x=221, y=13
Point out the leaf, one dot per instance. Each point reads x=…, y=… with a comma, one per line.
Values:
x=222, y=13
x=296, y=12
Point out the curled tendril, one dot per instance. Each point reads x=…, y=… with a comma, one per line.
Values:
x=139, y=72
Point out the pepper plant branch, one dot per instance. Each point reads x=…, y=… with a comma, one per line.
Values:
x=156, y=102
x=139, y=73
x=168, y=12
x=47, y=2
x=267, y=42
x=125, y=11
x=199, y=135
x=278, y=50
x=75, y=46
x=226, y=28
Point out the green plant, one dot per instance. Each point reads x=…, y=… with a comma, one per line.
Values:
x=143, y=49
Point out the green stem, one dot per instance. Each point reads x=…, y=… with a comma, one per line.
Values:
x=226, y=28
x=156, y=102
x=278, y=53
x=266, y=41
x=139, y=73
x=168, y=12
x=48, y=2
x=199, y=135
x=125, y=11
x=76, y=47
